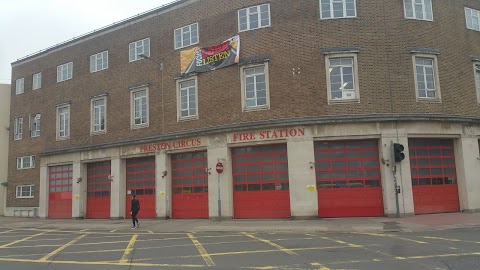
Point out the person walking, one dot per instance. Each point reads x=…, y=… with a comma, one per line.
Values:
x=135, y=209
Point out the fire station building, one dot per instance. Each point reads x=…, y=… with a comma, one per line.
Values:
x=253, y=109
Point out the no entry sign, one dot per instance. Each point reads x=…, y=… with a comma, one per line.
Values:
x=219, y=167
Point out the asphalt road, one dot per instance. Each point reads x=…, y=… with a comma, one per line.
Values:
x=43, y=248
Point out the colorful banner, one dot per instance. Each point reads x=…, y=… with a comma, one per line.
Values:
x=210, y=58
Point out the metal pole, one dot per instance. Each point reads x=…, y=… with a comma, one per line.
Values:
x=394, y=170
x=219, y=198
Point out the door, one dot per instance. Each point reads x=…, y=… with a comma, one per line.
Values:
x=348, y=178
x=98, y=190
x=60, y=191
x=190, y=185
x=261, y=186
x=141, y=181
x=434, y=179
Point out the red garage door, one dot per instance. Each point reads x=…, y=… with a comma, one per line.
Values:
x=141, y=181
x=348, y=179
x=261, y=187
x=60, y=191
x=190, y=185
x=434, y=179
x=98, y=190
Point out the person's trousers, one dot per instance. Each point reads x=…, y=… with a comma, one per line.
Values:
x=134, y=218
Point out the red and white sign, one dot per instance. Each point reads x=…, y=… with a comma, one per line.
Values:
x=219, y=167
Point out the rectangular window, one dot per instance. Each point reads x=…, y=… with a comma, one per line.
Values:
x=25, y=162
x=254, y=17
x=20, y=86
x=35, y=125
x=139, y=47
x=37, y=81
x=139, y=108
x=472, y=18
x=477, y=80
x=418, y=9
x=18, y=129
x=186, y=36
x=426, y=78
x=25, y=191
x=63, y=122
x=333, y=9
x=187, y=92
x=99, y=115
x=99, y=61
x=64, y=72
x=255, y=87
x=342, y=77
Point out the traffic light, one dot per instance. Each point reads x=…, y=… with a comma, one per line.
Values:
x=397, y=152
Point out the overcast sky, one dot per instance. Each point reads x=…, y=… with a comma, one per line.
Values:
x=28, y=26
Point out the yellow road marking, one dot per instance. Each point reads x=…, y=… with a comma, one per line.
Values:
x=394, y=236
x=24, y=239
x=8, y=231
x=105, y=263
x=321, y=266
x=206, y=257
x=444, y=255
x=36, y=246
x=58, y=250
x=129, y=249
x=271, y=244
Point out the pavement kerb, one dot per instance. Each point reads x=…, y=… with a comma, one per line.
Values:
x=338, y=225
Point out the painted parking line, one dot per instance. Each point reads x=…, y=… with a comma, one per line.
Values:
x=24, y=239
x=206, y=257
x=58, y=250
x=393, y=236
x=449, y=239
x=271, y=244
x=129, y=249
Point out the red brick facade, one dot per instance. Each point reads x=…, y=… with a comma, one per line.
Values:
x=293, y=41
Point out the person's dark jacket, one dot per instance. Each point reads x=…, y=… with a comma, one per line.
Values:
x=135, y=205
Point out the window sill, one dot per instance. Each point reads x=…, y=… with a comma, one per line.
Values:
x=183, y=47
x=246, y=30
x=253, y=109
x=351, y=17
x=429, y=100
x=63, y=138
x=94, y=133
x=188, y=118
x=139, y=126
x=343, y=101
x=415, y=19
x=30, y=197
x=18, y=139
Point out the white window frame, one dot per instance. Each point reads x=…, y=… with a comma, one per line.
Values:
x=425, y=5
x=98, y=61
x=63, y=134
x=243, y=84
x=35, y=125
x=332, y=13
x=186, y=30
x=27, y=188
x=21, y=161
x=37, y=81
x=132, y=109
x=472, y=19
x=65, y=72
x=179, y=99
x=438, y=96
x=18, y=129
x=20, y=86
x=102, y=116
x=138, y=47
x=476, y=73
x=248, y=12
x=355, y=78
